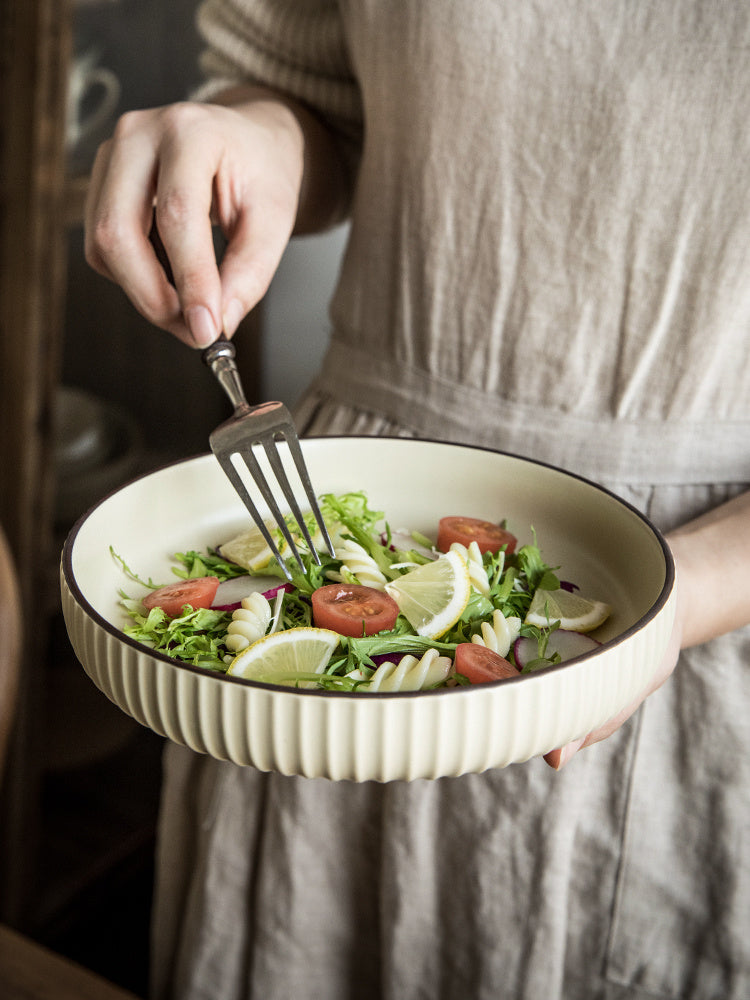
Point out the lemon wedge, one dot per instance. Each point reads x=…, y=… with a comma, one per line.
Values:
x=432, y=597
x=574, y=612
x=287, y=657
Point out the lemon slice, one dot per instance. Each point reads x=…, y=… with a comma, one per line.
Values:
x=286, y=657
x=432, y=597
x=251, y=551
x=574, y=612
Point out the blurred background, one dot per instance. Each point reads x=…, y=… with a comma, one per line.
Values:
x=104, y=397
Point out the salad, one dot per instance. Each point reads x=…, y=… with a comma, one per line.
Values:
x=390, y=611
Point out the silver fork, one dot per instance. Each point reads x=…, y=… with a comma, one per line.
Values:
x=254, y=426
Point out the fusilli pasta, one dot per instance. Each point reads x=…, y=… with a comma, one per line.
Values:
x=477, y=572
x=410, y=674
x=357, y=566
x=500, y=635
x=249, y=622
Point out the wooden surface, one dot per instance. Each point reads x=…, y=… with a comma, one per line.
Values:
x=30, y=972
x=34, y=51
x=35, y=40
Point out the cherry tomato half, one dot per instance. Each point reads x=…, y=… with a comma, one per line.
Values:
x=353, y=610
x=479, y=664
x=488, y=536
x=198, y=593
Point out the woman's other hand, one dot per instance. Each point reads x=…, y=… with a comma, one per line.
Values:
x=711, y=556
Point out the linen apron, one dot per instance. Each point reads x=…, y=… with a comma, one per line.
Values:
x=623, y=875
x=579, y=301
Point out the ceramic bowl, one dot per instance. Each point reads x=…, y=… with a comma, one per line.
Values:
x=599, y=541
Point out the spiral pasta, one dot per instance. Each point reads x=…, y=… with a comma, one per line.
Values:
x=410, y=674
x=477, y=572
x=500, y=635
x=357, y=566
x=249, y=622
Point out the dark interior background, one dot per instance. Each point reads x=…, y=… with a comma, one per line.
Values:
x=152, y=46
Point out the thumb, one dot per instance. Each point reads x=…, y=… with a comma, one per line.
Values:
x=558, y=758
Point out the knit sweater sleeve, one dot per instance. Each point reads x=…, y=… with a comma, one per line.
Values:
x=295, y=46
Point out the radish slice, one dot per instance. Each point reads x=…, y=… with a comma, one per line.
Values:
x=230, y=592
x=567, y=644
x=403, y=540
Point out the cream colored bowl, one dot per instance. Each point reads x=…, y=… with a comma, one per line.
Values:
x=598, y=541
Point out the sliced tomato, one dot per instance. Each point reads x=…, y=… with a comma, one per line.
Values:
x=198, y=593
x=479, y=664
x=488, y=536
x=353, y=610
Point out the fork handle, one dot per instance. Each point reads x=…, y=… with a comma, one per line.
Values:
x=219, y=357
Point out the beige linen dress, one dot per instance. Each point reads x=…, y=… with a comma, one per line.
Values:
x=550, y=255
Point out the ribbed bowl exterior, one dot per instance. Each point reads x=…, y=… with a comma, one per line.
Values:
x=366, y=737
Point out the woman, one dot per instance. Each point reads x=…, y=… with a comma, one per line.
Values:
x=549, y=253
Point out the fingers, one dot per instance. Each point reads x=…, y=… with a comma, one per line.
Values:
x=560, y=757
x=118, y=219
x=255, y=202
x=184, y=193
x=181, y=165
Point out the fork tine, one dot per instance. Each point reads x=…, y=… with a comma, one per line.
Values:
x=290, y=436
x=246, y=454
x=275, y=462
x=236, y=481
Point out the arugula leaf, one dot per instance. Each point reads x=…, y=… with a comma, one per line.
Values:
x=541, y=635
x=210, y=563
x=360, y=650
x=130, y=574
x=479, y=609
x=313, y=575
x=529, y=560
x=296, y=610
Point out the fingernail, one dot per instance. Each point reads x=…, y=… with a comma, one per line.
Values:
x=201, y=324
x=232, y=316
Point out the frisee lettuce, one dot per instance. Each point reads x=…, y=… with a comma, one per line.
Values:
x=196, y=637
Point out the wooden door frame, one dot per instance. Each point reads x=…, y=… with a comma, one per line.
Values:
x=35, y=46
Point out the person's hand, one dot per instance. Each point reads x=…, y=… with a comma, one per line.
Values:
x=558, y=758
x=711, y=555
x=188, y=166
